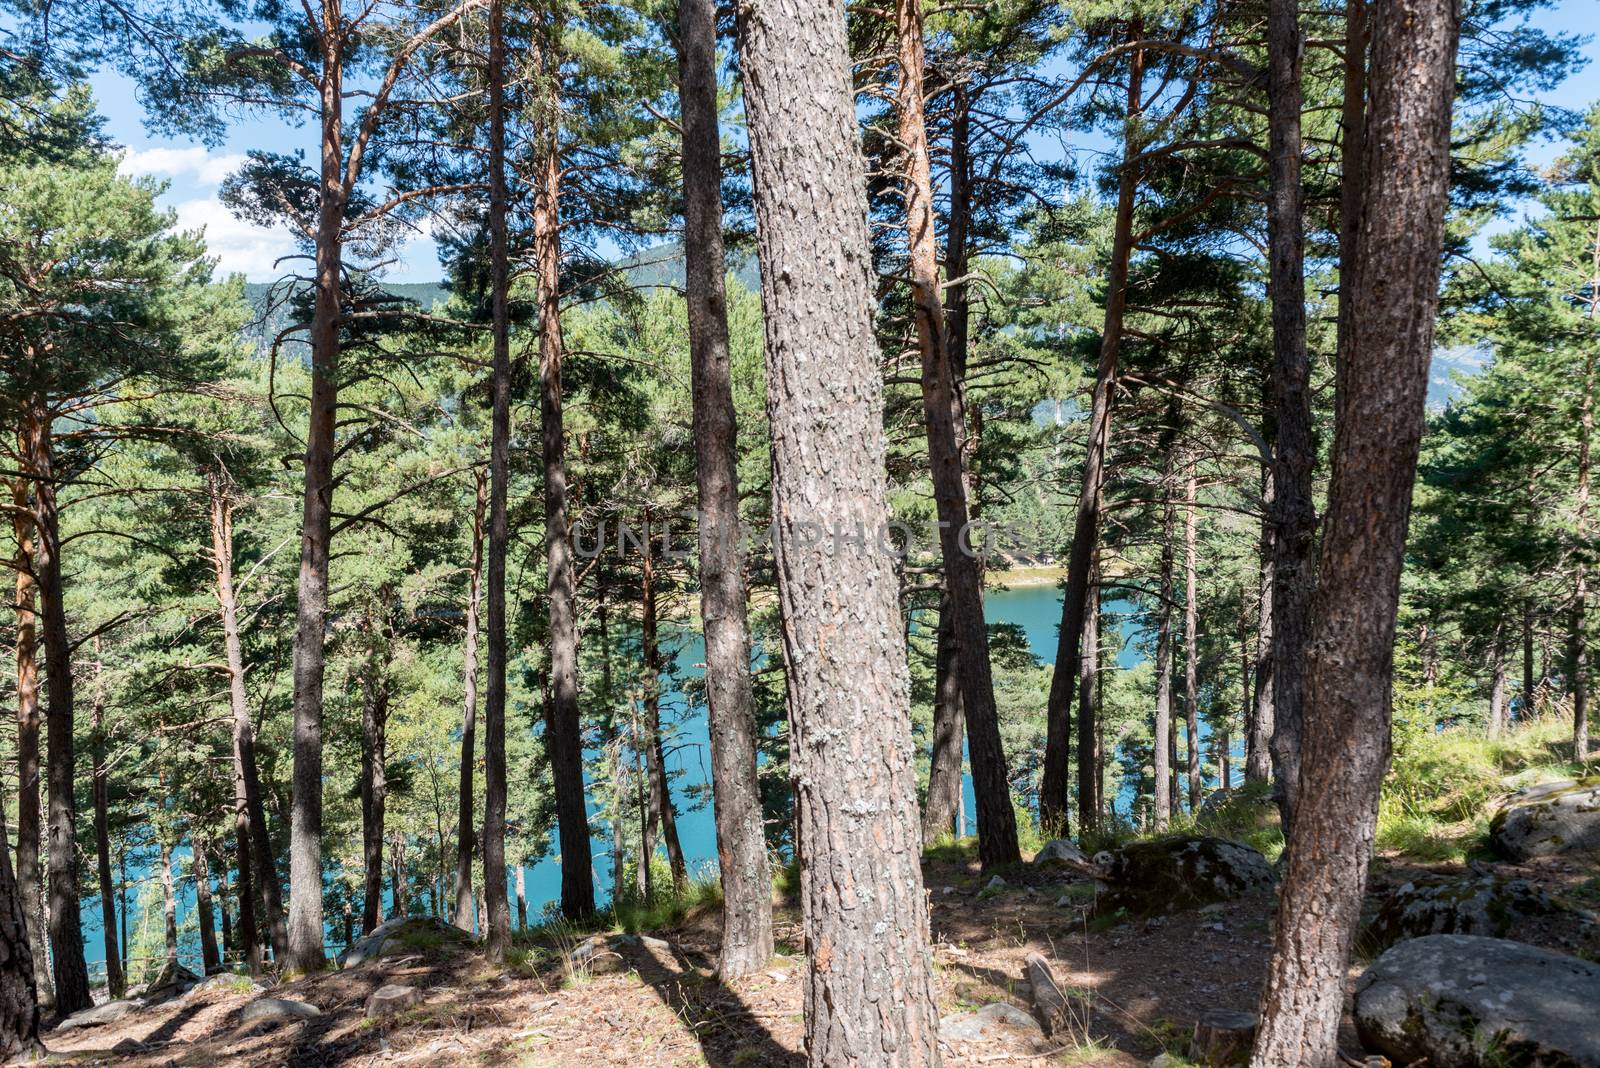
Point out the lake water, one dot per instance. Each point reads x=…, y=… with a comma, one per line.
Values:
x=1035, y=609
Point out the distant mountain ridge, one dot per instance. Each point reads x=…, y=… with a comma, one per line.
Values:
x=662, y=265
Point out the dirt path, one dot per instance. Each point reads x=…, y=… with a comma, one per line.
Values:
x=1137, y=988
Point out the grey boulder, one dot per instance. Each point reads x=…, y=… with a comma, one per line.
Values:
x=1460, y=1001
x=392, y=998
x=98, y=1014
x=1062, y=854
x=404, y=934
x=277, y=1009
x=1548, y=818
x=1483, y=905
x=989, y=1022
x=1184, y=871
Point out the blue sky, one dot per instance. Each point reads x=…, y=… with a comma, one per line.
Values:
x=194, y=171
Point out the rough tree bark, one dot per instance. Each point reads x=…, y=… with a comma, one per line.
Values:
x=374, y=787
x=662, y=813
x=741, y=844
x=1291, y=511
x=169, y=902
x=566, y=752
x=29, y=879
x=66, y=937
x=1191, y=639
x=869, y=994
x=1383, y=376
x=465, y=831
x=305, y=827
x=1163, y=725
x=210, y=959
x=19, y=1004
x=1089, y=723
x=1258, y=758
x=1577, y=639
x=944, y=414
x=497, y=932
x=258, y=871
x=1053, y=799
x=941, y=808
x=115, y=981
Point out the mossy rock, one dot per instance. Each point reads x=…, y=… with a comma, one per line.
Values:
x=426, y=935
x=1183, y=871
x=1461, y=1001
x=1490, y=905
x=1548, y=818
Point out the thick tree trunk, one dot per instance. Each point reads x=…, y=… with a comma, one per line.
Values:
x=397, y=867
x=1053, y=799
x=465, y=827
x=115, y=982
x=869, y=993
x=254, y=847
x=521, y=879
x=949, y=728
x=66, y=938
x=1290, y=511
x=223, y=914
x=1383, y=376
x=374, y=786
x=618, y=819
x=210, y=959
x=305, y=828
x=1529, y=685
x=741, y=844
x=19, y=1003
x=945, y=417
x=566, y=753
x=1163, y=726
x=29, y=879
x=1191, y=639
x=662, y=813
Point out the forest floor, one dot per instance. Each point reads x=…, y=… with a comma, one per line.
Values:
x=1138, y=987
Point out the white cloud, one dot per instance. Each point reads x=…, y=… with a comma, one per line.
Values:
x=195, y=163
x=239, y=247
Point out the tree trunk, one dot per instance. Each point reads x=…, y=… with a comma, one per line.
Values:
x=1383, y=376
x=305, y=831
x=661, y=810
x=169, y=902
x=254, y=847
x=1053, y=799
x=945, y=416
x=949, y=728
x=1089, y=729
x=102, y=836
x=736, y=797
x=497, y=934
x=869, y=993
x=566, y=753
x=66, y=938
x=29, y=879
x=210, y=959
x=1291, y=512
x=1497, y=687
x=1163, y=725
x=1578, y=650
x=1527, y=711
x=1258, y=758
x=1191, y=640
x=19, y=1003
x=397, y=864
x=618, y=818
x=522, y=896
x=374, y=783
x=465, y=827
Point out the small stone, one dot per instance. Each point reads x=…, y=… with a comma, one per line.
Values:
x=991, y=1021
x=392, y=998
x=996, y=883
x=947, y=891
x=1064, y=901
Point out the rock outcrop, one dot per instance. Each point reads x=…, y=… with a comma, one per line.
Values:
x=1460, y=1001
x=1489, y=905
x=1181, y=872
x=404, y=934
x=1548, y=818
